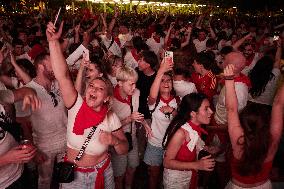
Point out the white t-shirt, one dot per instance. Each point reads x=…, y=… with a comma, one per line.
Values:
x=183, y=88
x=242, y=95
x=268, y=94
x=160, y=122
x=114, y=48
x=48, y=122
x=129, y=60
x=154, y=46
x=9, y=173
x=18, y=105
x=109, y=124
x=200, y=45
x=123, y=110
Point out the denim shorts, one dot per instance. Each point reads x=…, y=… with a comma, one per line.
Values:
x=153, y=155
x=87, y=180
x=121, y=162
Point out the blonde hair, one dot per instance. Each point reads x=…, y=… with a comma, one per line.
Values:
x=126, y=73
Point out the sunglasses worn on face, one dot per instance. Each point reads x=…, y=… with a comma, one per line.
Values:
x=54, y=100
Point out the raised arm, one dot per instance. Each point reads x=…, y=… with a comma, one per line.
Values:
x=188, y=31
x=241, y=41
x=276, y=127
x=22, y=74
x=164, y=19
x=59, y=66
x=169, y=33
x=278, y=54
x=165, y=66
x=113, y=21
x=234, y=127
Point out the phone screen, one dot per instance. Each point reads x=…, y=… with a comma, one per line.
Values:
x=58, y=18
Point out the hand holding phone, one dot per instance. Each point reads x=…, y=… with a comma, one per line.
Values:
x=169, y=54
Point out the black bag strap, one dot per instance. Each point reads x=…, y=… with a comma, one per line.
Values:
x=112, y=40
x=84, y=146
x=156, y=104
x=131, y=110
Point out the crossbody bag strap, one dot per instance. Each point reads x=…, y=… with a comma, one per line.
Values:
x=84, y=146
x=131, y=110
x=112, y=40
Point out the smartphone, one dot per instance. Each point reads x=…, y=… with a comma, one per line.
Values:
x=86, y=55
x=58, y=19
x=169, y=54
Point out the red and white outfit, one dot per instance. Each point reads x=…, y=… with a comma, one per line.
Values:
x=155, y=44
x=131, y=58
x=186, y=179
x=122, y=108
x=242, y=84
x=261, y=177
x=81, y=119
x=160, y=122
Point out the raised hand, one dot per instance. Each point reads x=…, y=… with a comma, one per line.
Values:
x=166, y=65
x=229, y=71
x=51, y=33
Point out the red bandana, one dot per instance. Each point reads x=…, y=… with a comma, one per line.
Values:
x=116, y=39
x=168, y=100
x=241, y=78
x=87, y=117
x=117, y=95
x=197, y=128
x=134, y=54
x=157, y=39
x=249, y=60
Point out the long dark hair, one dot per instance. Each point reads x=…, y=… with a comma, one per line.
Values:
x=190, y=102
x=255, y=121
x=260, y=75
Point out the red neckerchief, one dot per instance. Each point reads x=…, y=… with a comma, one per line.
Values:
x=168, y=100
x=197, y=128
x=134, y=54
x=116, y=39
x=88, y=117
x=241, y=78
x=117, y=95
x=157, y=39
x=249, y=60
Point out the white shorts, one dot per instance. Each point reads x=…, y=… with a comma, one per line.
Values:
x=175, y=179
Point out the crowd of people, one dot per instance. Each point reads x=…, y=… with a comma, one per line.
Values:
x=197, y=99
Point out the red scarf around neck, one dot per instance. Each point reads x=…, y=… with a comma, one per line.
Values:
x=134, y=54
x=157, y=39
x=117, y=95
x=167, y=101
x=88, y=117
x=197, y=128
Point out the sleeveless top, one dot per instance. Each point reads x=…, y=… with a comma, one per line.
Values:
x=263, y=175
